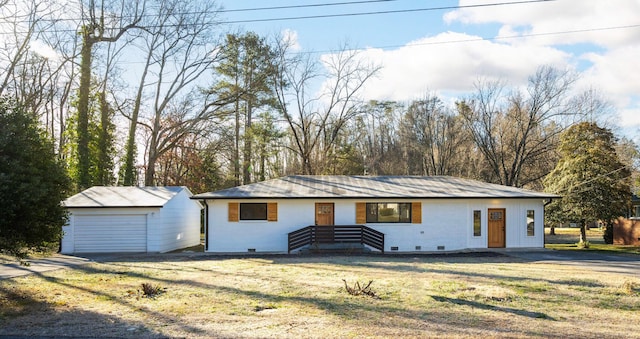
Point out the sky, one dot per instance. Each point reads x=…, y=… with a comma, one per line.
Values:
x=446, y=46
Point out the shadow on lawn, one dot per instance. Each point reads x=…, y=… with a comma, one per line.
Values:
x=348, y=308
x=51, y=321
x=475, y=304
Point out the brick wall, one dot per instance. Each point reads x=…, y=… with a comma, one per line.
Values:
x=626, y=232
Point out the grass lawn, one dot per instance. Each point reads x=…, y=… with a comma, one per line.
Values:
x=567, y=239
x=305, y=297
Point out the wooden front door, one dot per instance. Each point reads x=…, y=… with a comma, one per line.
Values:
x=497, y=227
x=324, y=213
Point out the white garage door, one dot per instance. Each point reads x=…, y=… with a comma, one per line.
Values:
x=110, y=233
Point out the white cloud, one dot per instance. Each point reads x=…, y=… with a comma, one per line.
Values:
x=44, y=50
x=453, y=62
x=615, y=72
x=291, y=37
x=589, y=17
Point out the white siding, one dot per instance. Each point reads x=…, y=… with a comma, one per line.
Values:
x=110, y=233
x=177, y=225
x=445, y=223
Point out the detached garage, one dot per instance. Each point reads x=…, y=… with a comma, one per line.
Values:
x=131, y=219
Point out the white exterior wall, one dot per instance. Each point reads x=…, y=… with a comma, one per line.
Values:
x=177, y=226
x=69, y=239
x=445, y=222
x=174, y=226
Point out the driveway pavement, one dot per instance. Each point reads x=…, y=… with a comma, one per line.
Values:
x=54, y=262
x=627, y=264
x=613, y=263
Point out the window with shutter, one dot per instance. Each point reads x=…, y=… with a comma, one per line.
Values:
x=272, y=211
x=361, y=213
x=234, y=214
x=416, y=213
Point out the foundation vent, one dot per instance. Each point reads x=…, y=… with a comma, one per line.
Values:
x=441, y=248
x=418, y=248
x=394, y=248
x=252, y=250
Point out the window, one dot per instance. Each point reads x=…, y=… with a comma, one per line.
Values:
x=388, y=212
x=477, y=223
x=531, y=218
x=253, y=211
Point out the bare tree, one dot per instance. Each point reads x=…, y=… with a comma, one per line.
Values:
x=516, y=131
x=316, y=120
x=180, y=53
x=434, y=136
x=34, y=58
x=101, y=25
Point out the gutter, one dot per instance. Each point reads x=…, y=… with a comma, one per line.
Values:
x=205, y=221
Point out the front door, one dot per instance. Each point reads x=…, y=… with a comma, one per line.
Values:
x=324, y=213
x=496, y=227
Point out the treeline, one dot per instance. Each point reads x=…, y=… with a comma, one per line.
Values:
x=158, y=93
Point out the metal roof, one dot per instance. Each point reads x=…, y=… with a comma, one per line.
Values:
x=129, y=196
x=341, y=187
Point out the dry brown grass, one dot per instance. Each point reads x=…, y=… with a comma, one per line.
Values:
x=304, y=297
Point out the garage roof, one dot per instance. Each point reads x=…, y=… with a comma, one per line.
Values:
x=109, y=196
x=340, y=186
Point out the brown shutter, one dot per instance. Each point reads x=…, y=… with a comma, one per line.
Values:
x=234, y=209
x=272, y=211
x=416, y=213
x=361, y=213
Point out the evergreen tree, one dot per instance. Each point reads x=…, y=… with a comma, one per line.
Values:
x=101, y=145
x=245, y=72
x=32, y=184
x=593, y=182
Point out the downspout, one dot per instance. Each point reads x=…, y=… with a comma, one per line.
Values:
x=544, y=239
x=206, y=225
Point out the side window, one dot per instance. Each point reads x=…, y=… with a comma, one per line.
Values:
x=253, y=211
x=388, y=212
x=477, y=223
x=531, y=218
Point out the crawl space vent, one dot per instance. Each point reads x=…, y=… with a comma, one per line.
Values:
x=440, y=248
x=394, y=248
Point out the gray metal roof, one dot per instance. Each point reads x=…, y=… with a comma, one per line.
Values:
x=341, y=187
x=107, y=196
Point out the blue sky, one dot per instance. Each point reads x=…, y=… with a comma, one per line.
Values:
x=419, y=53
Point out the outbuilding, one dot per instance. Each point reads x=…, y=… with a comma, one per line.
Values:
x=383, y=213
x=131, y=219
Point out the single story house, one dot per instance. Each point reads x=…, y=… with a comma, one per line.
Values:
x=387, y=213
x=131, y=219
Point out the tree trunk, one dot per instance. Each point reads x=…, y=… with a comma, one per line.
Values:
x=84, y=179
x=129, y=169
x=583, y=231
x=236, y=151
x=552, y=231
x=248, y=143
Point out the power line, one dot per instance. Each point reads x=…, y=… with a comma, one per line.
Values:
x=480, y=39
x=255, y=9
x=303, y=6
x=323, y=16
x=494, y=4
x=607, y=175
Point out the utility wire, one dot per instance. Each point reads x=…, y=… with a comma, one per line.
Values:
x=495, y=4
x=572, y=187
x=303, y=6
x=385, y=12
x=479, y=39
